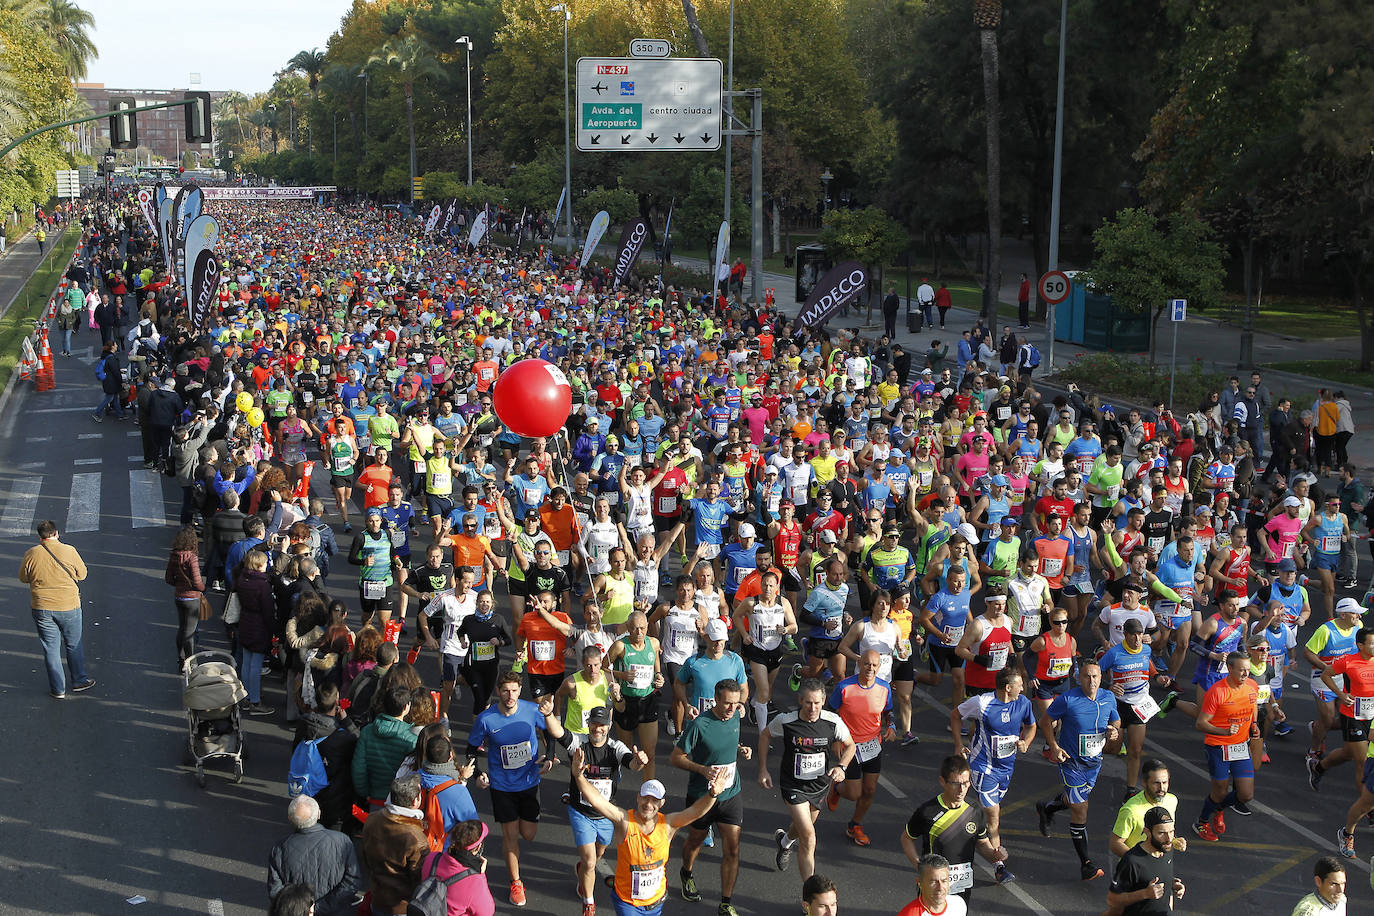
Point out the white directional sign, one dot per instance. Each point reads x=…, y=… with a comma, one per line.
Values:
x=632, y=105
x=1178, y=309
x=68, y=183
x=650, y=47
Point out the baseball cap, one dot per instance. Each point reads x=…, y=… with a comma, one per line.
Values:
x=1287, y=565
x=999, y=480
x=1156, y=816
x=1349, y=606
x=770, y=470
x=828, y=536
x=652, y=788
x=715, y=629
x=1292, y=502
x=746, y=530
x=1134, y=585
x=968, y=533
x=599, y=715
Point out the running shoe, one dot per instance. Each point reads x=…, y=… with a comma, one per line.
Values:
x=784, y=855
x=1089, y=871
x=85, y=685
x=258, y=709
x=856, y=833
x=1264, y=758
x=1205, y=832
x=1045, y=817
x=832, y=798
x=1345, y=843
x=1283, y=730
x=909, y=739
x=710, y=841
x=1218, y=824
x=689, y=889
x=1241, y=808
x=1003, y=874
x=1314, y=773
x=1166, y=704
x=726, y=909
x=795, y=680
x=517, y=893
x=589, y=909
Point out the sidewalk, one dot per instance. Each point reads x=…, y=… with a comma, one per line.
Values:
x=19, y=262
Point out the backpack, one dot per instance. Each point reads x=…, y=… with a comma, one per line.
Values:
x=1033, y=356
x=434, y=815
x=431, y=894
x=317, y=545
x=306, y=774
x=100, y=370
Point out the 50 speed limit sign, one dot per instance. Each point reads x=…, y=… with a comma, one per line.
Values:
x=1054, y=287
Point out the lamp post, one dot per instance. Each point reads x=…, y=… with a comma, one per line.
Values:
x=1057, y=170
x=363, y=76
x=826, y=178
x=567, y=127
x=466, y=43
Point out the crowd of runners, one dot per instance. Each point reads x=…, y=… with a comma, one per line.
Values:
x=745, y=551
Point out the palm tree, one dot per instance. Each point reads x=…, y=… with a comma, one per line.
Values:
x=13, y=112
x=411, y=58
x=68, y=28
x=987, y=18
x=340, y=84
x=311, y=65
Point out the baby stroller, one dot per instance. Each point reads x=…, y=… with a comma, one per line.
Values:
x=211, y=694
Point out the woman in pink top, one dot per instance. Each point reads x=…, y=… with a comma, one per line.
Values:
x=469, y=896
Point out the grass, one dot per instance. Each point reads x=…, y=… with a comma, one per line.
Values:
x=1294, y=315
x=18, y=321
x=1344, y=371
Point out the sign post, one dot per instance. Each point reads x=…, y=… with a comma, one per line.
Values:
x=633, y=104
x=1055, y=287
x=1178, y=313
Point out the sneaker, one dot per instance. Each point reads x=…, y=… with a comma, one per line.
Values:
x=1345, y=843
x=710, y=838
x=909, y=739
x=1264, y=758
x=1045, y=817
x=689, y=889
x=1089, y=871
x=1003, y=874
x=795, y=681
x=784, y=855
x=1241, y=808
x=856, y=833
x=1167, y=703
x=832, y=798
x=589, y=909
x=726, y=909
x=87, y=684
x=1218, y=824
x=98, y=418
x=1314, y=772
x=57, y=696
x=1205, y=832
x=347, y=528
x=517, y=893
x=258, y=709
x=1283, y=730
x=672, y=729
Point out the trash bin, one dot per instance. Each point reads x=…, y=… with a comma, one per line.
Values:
x=913, y=317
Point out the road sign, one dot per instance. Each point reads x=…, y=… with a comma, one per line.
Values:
x=419, y=187
x=650, y=48
x=68, y=183
x=1178, y=309
x=1055, y=286
x=631, y=105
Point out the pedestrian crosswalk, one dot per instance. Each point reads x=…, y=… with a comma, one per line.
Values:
x=111, y=500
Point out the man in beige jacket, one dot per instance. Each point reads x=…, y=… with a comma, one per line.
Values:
x=52, y=570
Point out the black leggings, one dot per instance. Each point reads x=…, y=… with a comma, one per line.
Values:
x=481, y=679
x=188, y=622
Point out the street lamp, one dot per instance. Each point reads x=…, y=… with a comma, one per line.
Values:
x=567, y=122
x=363, y=76
x=466, y=42
x=826, y=178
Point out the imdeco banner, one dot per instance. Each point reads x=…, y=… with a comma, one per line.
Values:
x=840, y=286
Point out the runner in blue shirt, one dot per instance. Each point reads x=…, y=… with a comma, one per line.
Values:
x=1088, y=725
x=700, y=673
x=529, y=490
x=944, y=618
x=1003, y=724
x=739, y=560
x=710, y=518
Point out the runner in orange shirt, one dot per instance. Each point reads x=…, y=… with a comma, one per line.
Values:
x=375, y=480
x=543, y=646
x=1227, y=719
x=559, y=521
x=1351, y=678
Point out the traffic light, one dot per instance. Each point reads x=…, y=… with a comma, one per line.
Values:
x=123, y=127
x=198, y=118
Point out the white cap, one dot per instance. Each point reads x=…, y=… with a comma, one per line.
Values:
x=1349, y=606
x=1292, y=502
x=716, y=630
x=968, y=532
x=746, y=530
x=652, y=788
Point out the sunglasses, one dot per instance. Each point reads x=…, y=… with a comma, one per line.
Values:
x=1060, y=623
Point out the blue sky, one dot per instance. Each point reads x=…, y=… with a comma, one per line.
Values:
x=158, y=44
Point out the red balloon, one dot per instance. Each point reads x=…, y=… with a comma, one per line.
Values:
x=533, y=398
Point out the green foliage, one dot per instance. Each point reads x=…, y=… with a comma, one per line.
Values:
x=618, y=203
x=1111, y=376
x=696, y=221
x=1143, y=264
x=868, y=236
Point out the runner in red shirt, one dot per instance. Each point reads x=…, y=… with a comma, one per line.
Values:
x=1057, y=503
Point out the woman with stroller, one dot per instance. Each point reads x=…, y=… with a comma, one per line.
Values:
x=257, y=615
x=183, y=574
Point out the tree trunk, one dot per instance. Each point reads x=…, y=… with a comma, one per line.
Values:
x=993, y=108
x=689, y=10
x=1154, y=329
x=410, y=122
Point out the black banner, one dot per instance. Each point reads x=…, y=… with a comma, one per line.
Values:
x=840, y=286
x=204, y=288
x=448, y=217
x=159, y=195
x=631, y=242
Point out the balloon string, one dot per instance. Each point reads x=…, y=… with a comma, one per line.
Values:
x=567, y=485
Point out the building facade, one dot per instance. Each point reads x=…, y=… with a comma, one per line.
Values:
x=163, y=132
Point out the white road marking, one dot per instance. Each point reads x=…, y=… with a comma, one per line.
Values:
x=133, y=433
x=59, y=410
x=890, y=786
x=39, y=439
x=90, y=435
x=145, y=498
x=215, y=907
x=83, y=510
x=81, y=461
x=18, y=518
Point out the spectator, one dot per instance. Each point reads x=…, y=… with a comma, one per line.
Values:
x=294, y=900
x=381, y=747
x=394, y=844
x=52, y=571
x=440, y=769
x=316, y=857
x=340, y=733
x=471, y=895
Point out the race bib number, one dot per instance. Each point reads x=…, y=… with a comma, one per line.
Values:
x=1053, y=566
x=483, y=652
x=1091, y=745
x=1364, y=707
x=1144, y=707
x=903, y=649
x=440, y=480
x=645, y=884
x=869, y=750
x=666, y=504
x=1264, y=694
x=705, y=704
x=1029, y=625
x=398, y=537
x=1003, y=414
x=710, y=551
x=729, y=770
x=808, y=766
x=1060, y=667
x=1233, y=752
x=1004, y=746
x=602, y=786
x=542, y=650
x=960, y=877
x=515, y=756
x=374, y=590
x=997, y=659
x=833, y=626
x=564, y=557
x=1331, y=543
x=684, y=639
x=953, y=635
x=342, y=463
x=641, y=676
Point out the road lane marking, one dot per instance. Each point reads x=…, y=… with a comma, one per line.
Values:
x=145, y=499
x=88, y=461
x=18, y=518
x=90, y=435
x=83, y=510
x=890, y=786
x=1216, y=905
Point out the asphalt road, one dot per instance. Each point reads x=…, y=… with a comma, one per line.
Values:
x=98, y=807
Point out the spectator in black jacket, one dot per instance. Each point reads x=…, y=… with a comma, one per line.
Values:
x=1283, y=440
x=112, y=385
x=329, y=720
x=164, y=413
x=314, y=855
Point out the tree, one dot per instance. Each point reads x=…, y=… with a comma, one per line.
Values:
x=68, y=28
x=412, y=59
x=1143, y=265
x=618, y=203
x=868, y=236
x=987, y=17
x=311, y=65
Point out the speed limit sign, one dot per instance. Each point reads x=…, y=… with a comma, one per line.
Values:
x=1054, y=287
